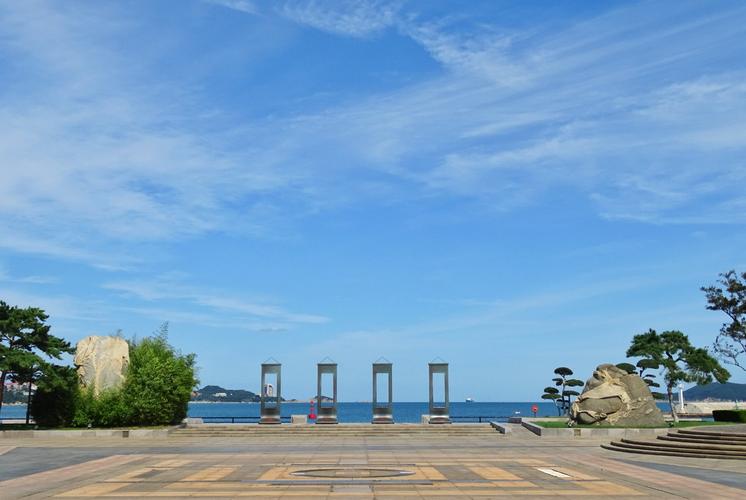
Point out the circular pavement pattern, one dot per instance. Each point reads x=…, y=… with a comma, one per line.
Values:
x=352, y=473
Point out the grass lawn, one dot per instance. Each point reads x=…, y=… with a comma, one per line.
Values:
x=563, y=424
x=17, y=427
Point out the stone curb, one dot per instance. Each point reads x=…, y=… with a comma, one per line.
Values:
x=596, y=432
x=160, y=433
x=502, y=429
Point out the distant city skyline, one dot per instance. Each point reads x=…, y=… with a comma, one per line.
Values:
x=509, y=186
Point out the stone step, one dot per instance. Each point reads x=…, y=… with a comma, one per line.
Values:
x=689, y=446
x=360, y=433
x=340, y=428
x=295, y=433
x=733, y=436
x=616, y=446
x=253, y=425
x=686, y=439
x=355, y=430
x=694, y=443
x=675, y=449
x=716, y=431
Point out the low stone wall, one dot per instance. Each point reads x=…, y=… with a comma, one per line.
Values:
x=161, y=433
x=591, y=432
x=501, y=428
x=706, y=407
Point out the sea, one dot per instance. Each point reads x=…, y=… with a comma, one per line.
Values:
x=355, y=412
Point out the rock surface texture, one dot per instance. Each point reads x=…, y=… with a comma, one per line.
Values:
x=101, y=362
x=614, y=397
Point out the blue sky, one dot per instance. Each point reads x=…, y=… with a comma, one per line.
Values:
x=510, y=186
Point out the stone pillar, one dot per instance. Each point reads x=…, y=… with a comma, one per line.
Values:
x=327, y=411
x=383, y=413
x=439, y=412
x=682, y=408
x=270, y=402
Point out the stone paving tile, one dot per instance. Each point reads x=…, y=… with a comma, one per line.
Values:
x=440, y=468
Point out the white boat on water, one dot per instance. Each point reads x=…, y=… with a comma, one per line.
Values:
x=469, y=400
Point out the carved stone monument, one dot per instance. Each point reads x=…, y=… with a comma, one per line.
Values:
x=271, y=396
x=327, y=410
x=383, y=412
x=101, y=362
x=439, y=412
x=614, y=397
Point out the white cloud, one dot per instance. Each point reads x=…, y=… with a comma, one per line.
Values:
x=170, y=287
x=93, y=157
x=483, y=55
x=240, y=5
x=210, y=320
x=355, y=18
x=59, y=307
x=96, y=154
x=29, y=280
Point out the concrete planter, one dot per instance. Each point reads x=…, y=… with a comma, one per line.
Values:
x=592, y=432
x=161, y=433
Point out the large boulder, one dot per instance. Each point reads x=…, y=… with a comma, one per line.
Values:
x=101, y=362
x=614, y=397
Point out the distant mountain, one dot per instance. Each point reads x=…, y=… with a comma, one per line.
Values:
x=716, y=392
x=215, y=393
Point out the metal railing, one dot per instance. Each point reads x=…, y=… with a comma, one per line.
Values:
x=480, y=418
x=235, y=420
x=255, y=419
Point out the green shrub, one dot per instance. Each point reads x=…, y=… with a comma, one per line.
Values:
x=108, y=409
x=159, y=381
x=57, y=394
x=156, y=391
x=738, y=416
x=85, y=410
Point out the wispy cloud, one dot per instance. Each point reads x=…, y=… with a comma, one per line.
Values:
x=30, y=279
x=355, y=18
x=94, y=156
x=168, y=287
x=587, y=109
x=610, y=108
x=240, y=5
x=60, y=307
x=210, y=320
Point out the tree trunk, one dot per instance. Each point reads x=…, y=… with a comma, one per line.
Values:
x=3, y=374
x=28, y=400
x=669, y=389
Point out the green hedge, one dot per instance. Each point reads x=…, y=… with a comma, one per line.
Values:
x=738, y=416
x=57, y=394
x=156, y=391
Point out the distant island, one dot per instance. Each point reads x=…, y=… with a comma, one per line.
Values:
x=217, y=394
x=716, y=392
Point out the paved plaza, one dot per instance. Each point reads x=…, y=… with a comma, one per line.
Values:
x=438, y=466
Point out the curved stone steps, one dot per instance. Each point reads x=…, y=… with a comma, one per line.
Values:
x=614, y=446
x=687, y=443
x=691, y=446
x=736, y=436
x=703, y=440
